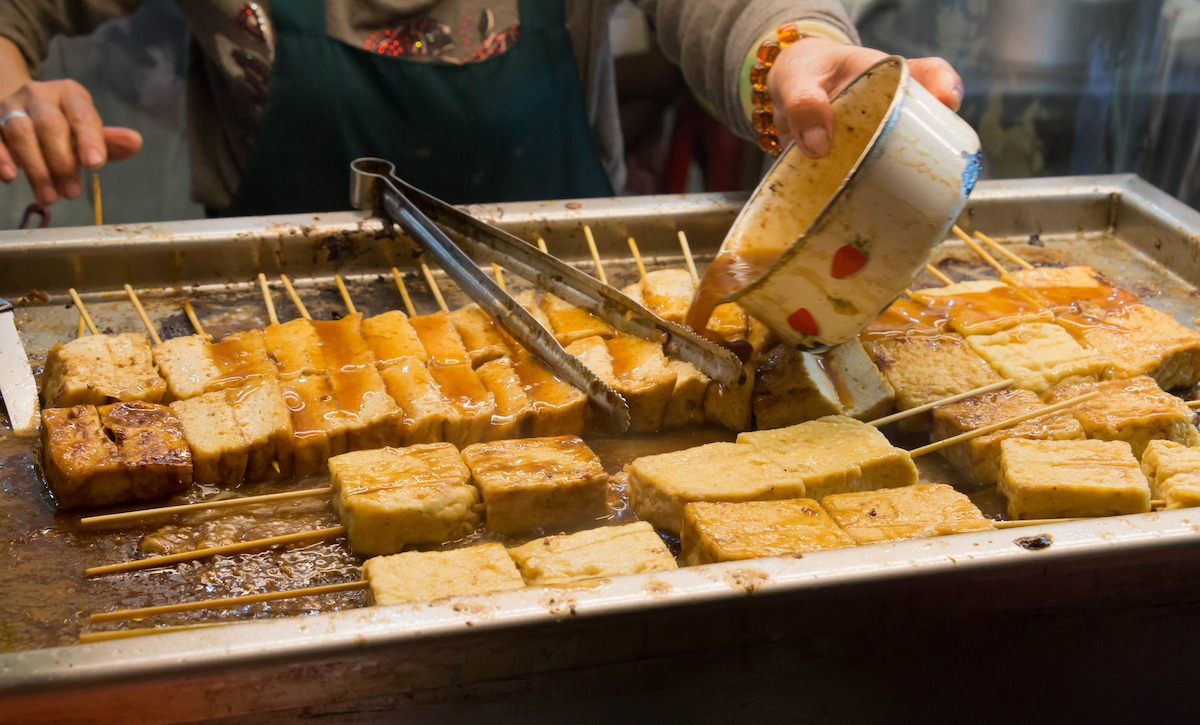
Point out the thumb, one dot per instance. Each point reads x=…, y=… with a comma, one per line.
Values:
x=121, y=142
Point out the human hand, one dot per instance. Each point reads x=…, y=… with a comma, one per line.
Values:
x=51, y=130
x=811, y=71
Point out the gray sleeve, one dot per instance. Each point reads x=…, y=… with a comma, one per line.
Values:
x=710, y=39
x=32, y=24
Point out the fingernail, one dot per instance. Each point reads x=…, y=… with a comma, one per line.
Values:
x=959, y=91
x=92, y=158
x=72, y=189
x=7, y=172
x=815, y=141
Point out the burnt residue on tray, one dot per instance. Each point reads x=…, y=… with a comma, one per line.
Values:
x=1034, y=543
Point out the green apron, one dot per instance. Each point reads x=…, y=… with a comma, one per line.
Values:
x=509, y=128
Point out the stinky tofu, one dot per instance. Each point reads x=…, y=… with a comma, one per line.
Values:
x=729, y=322
x=266, y=426
x=835, y=454
x=686, y=406
x=318, y=428
x=390, y=498
x=667, y=293
x=185, y=364
x=908, y=317
x=927, y=368
x=760, y=337
x=295, y=348
x=83, y=467
x=982, y=307
x=604, y=552
x=794, y=386
x=479, y=334
x=133, y=367
x=343, y=346
x=513, y=407
x=424, y=409
x=570, y=323
x=1039, y=355
x=372, y=417
x=240, y=358
x=661, y=485
x=644, y=377
x=392, y=337
x=864, y=391
x=979, y=458
x=219, y=450
x=538, y=483
x=441, y=341
x=471, y=403
x=731, y=406
x=1073, y=289
x=557, y=407
x=150, y=440
x=421, y=576
x=723, y=531
x=529, y=300
x=1135, y=410
x=99, y=369
x=1174, y=473
x=1052, y=479
x=911, y=512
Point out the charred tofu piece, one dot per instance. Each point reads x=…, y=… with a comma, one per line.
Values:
x=424, y=410
x=472, y=404
x=186, y=365
x=372, y=417
x=911, y=512
x=83, y=467
x=220, y=452
x=513, y=407
x=979, y=458
x=731, y=407
x=661, y=485
x=1136, y=411
x=686, y=405
x=240, y=358
x=983, y=307
x=644, y=376
x=1174, y=473
x=343, y=346
x=479, y=334
x=295, y=348
x=266, y=426
x=421, y=576
x=546, y=484
x=392, y=338
x=441, y=340
x=318, y=428
x=835, y=454
x=557, y=407
x=150, y=440
x=1038, y=355
x=722, y=531
x=390, y=498
x=1052, y=479
x=99, y=369
x=570, y=323
x=604, y=552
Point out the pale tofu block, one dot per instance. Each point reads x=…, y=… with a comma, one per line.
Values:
x=661, y=485
x=731, y=407
x=1174, y=473
x=134, y=376
x=220, y=452
x=513, y=407
x=686, y=406
x=318, y=429
x=570, y=323
x=1136, y=411
x=266, y=426
x=983, y=307
x=1039, y=355
x=667, y=293
x=1056, y=479
x=835, y=454
x=82, y=466
x=441, y=341
x=185, y=364
x=421, y=576
x=343, y=346
x=79, y=372
x=424, y=410
x=645, y=378
x=472, y=404
x=911, y=512
x=546, y=484
x=479, y=334
x=558, y=408
x=372, y=418
x=240, y=358
x=979, y=458
x=390, y=498
x=604, y=552
x=924, y=368
x=391, y=337
x=863, y=390
x=295, y=348
x=722, y=531
x=155, y=453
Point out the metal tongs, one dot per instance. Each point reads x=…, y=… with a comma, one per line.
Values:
x=375, y=187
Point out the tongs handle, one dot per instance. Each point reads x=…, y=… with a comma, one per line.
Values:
x=375, y=187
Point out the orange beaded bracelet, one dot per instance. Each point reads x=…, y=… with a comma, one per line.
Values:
x=763, y=118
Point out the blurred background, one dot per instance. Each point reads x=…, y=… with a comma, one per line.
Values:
x=1053, y=88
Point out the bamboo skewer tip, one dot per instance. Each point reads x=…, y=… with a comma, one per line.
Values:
x=137, y=305
x=402, y=288
x=295, y=298
x=434, y=287
x=97, y=200
x=637, y=257
x=345, y=293
x=687, y=255
x=190, y=311
x=83, y=311
x=1008, y=253
x=267, y=299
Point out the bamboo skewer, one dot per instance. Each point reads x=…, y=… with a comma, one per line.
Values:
x=80, y=328
x=1193, y=404
x=266, y=293
x=1010, y=255
x=226, y=602
x=989, y=259
x=637, y=257
x=541, y=244
x=434, y=288
x=97, y=200
x=499, y=275
x=202, y=506
x=192, y=318
x=591, y=242
x=345, y=293
x=137, y=305
x=938, y=275
x=295, y=298
x=403, y=290
x=989, y=388
x=90, y=637
x=83, y=311
x=687, y=256
x=1019, y=523
x=953, y=440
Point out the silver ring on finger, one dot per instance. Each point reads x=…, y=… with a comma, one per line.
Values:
x=15, y=113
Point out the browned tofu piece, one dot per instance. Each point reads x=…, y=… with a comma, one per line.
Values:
x=318, y=429
x=133, y=369
x=1039, y=355
x=391, y=337
x=99, y=369
x=1174, y=473
x=558, y=408
x=372, y=417
x=443, y=343
x=1136, y=411
x=266, y=426
x=472, y=404
x=724, y=531
x=729, y=322
x=420, y=576
x=240, y=358
x=979, y=458
x=686, y=405
x=982, y=307
x=513, y=407
x=150, y=440
x=538, y=484
x=220, y=452
x=601, y=552
x=644, y=376
x=295, y=348
x=911, y=512
x=667, y=293
x=186, y=365
x=424, y=410
x=479, y=334
x=731, y=407
x=908, y=317
x=570, y=323
x=1053, y=479
x=82, y=466
x=343, y=346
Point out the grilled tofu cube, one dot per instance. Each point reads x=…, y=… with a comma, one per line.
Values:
x=343, y=346
x=722, y=531
x=558, y=408
x=644, y=376
x=1039, y=355
x=661, y=485
x=731, y=407
x=392, y=497
x=983, y=307
x=392, y=337
x=835, y=454
x=133, y=369
x=100, y=369
x=266, y=426
x=979, y=458
x=472, y=404
x=295, y=348
x=240, y=358
x=372, y=417
x=479, y=334
x=1174, y=473
x=686, y=405
x=604, y=552
x=530, y=300
x=863, y=390
x=1136, y=411
x=220, y=452
x=667, y=293
x=1074, y=289
x=911, y=512
x=906, y=317
x=1050, y=479
x=791, y=387
x=186, y=365
x=729, y=322
x=443, y=343
x=424, y=410
x=926, y=368
x=570, y=323
x=538, y=483
x=318, y=429
x=150, y=440
x=1141, y=340
x=513, y=407
x=82, y=466
x=421, y=576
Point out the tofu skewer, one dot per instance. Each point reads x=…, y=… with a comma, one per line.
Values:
x=149, y=513
x=243, y=546
x=228, y=602
x=1001, y=425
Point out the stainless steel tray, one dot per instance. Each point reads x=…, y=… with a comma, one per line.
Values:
x=770, y=637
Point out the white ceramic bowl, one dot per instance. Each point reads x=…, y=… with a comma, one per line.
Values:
x=824, y=246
